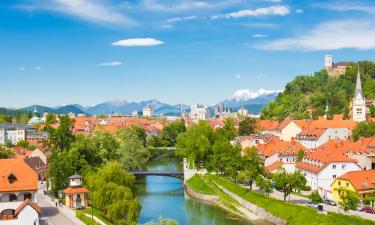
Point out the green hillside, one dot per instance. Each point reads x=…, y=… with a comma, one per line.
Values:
x=315, y=91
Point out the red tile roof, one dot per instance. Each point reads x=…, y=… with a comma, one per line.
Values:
x=26, y=178
x=267, y=124
x=361, y=180
x=274, y=166
x=275, y=145
x=70, y=190
x=311, y=133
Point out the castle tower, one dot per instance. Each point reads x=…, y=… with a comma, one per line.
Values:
x=359, y=101
x=328, y=62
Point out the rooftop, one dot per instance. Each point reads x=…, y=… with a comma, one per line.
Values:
x=25, y=177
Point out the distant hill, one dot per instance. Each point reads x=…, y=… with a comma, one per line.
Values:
x=315, y=92
x=57, y=110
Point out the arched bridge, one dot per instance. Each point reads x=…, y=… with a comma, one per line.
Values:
x=177, y=174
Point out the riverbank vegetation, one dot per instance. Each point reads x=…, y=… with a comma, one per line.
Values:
x=197, y=184
x=86, y=220
x=292, y=213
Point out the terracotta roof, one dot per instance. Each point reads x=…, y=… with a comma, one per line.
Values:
x=324, y=123
x=361, y=180
x=267, y=124
x=311, y=133
x=70, y=190
x=274, y=166
x=25, y=203
x=335, y=65
x=26, y=178
x=283, y=124
x=275, y=145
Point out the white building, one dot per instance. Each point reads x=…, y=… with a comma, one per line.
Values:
x=323, y=166
x=18, y=192
x=199, y=112
x=286, y=130
x=243, y=112
x=312, y=138
x=358, y=102
x=147, y=111
x=14, y=132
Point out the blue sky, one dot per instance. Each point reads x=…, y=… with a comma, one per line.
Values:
x=178, y=51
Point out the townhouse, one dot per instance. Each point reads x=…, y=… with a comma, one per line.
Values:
x=312, y=138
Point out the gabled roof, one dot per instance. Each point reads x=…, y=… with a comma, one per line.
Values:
x=26, y=178
x=24, y=204
x=275, y=145
x=36, y=164
x=274, y=166
x=361, y=180
x=311, y=133
x=267, y=124
x=70, y=190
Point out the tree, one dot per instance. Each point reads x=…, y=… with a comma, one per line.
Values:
x=363, y=129
x=349, y=201
x=23, y=118
x=60, y=138
x=300, y=155
x=253, y=166
x=154, y=141
x=106, y=144
x=288, y=182
x=5, y=154
x=50, y=119
x=225, y=156
x=228, y=131
x=132, y=153
x=264, y=185
x=372, y=111
x=170, y=132
x=5, y=118
x=101, y=116
x=23, y=143
x=196, y=143
x=247, y=126
x=163, y=221
x=315, y=197
x=140, y=133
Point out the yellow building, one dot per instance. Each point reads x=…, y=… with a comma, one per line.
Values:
x=360, y=182
x=76, y=196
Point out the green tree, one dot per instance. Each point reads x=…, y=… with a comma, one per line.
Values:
x=170, y=132
x=247, y=126
x=225, y=156
x=5, y=118
x=23, y=118
x=349, y=201
x=196, y=143
x=154, y=141
x=315, y=197
x=253, y=166
x=372, y=111
x=300, y=155
x=101, y=116
x=6, y=154
x=23, y=143
x=163, y=221
x=264, y=185
x=61, y=138
x=363, y=129
x=50, y=119
x=105, y=144
x=228, y=131
x=288, y=182
x=132, y=153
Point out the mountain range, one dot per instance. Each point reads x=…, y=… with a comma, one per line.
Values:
x=252, y=101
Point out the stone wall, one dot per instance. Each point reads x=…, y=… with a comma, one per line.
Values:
x=262, y=213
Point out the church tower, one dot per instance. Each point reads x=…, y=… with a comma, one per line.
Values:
x=359, y=101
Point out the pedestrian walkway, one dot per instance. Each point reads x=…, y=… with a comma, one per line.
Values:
x=95, y=218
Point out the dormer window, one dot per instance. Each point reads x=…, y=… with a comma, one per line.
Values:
x=12, y=178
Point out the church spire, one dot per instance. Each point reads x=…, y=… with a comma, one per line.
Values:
x=358, y=86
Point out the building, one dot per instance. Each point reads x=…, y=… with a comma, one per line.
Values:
x=334, y=69
x=323, y=166
x=243, y=112
x=76, y=195
x=18, y=192
x=199, y=112
x=40, y=154
x=312, y=138
x=360, y=182
x=39, y=167
x=279, y=150
x=135, y=114
x=36, y=119
x=14, y=132
x=252, y=140
x=358, y=102
x=148, y=111
x=36, y=136
x=287, y=130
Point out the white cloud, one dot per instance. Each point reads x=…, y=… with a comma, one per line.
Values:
x=267, y=11
x=180, y=19
x=95, y=11
x=113, y=63
x=186, y=5
x=260, y=35
x=138, y=42
x=334, y=35
x=21, y=68
x=299, y=10
x=246, y=94
x=343, y=6
x=38, y=68
x=237, y=76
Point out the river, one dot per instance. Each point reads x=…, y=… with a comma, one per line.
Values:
x=164, y=196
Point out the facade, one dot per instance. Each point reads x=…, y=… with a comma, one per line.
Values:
x=37, y=136
x=323, y=166
x=243, y=112
x=148, y=111
x=312, y=138
x=334, y=69
x=18, y=192
x=14, y=132
x=360, y=182
x=286, y=130
x=358, y=102
x=199, y=112
x=39, y=167
x=76, y=195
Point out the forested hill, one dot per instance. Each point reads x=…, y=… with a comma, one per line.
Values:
x=315, y=91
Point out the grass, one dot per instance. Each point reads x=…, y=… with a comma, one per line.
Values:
x=293, y=214
x=197, y=184
x=98, y=214
x=86, y=220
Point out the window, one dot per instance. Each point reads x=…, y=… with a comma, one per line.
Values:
x=333, y=166
x=339, y=183
x=347, y=184
x=27, y=196
x=12, y=197
x=364, y=196
x=334, y=176
x=12, y=178
x=343, y=166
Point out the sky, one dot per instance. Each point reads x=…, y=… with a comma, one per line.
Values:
x=56, y=52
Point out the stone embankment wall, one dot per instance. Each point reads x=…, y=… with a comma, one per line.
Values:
x=262, y=213
x=206, y=198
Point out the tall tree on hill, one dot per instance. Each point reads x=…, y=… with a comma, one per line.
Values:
x=363, y=129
